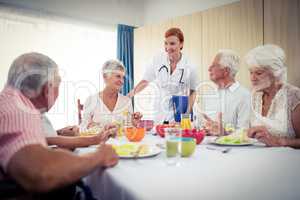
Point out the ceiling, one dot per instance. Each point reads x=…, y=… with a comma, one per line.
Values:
x=131, y=12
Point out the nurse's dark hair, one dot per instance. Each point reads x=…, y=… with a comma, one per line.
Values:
x=175, y=32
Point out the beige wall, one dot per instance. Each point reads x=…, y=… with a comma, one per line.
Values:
x=282, y=27
x=241, y=26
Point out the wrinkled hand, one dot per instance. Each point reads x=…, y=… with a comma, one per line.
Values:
x=136, y=117
x=108, y=131
x=92, y=124
x=213, y=127
x=69, y=131
x=262, y=134
x=108, y=156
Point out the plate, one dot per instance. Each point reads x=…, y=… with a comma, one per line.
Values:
x=251, y=142
x=128, y=150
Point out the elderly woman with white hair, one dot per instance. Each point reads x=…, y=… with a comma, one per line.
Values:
x=109, y=106
x=230, y=103
x=275, y=118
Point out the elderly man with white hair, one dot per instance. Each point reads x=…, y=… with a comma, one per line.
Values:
x=108, y=105
x=32, y=88
x=275, y=117
x=230, y=102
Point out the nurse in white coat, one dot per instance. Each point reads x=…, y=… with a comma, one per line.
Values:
x=172, y=73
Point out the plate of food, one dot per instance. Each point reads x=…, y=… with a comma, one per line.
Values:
x=136, y=150
x=238, y=138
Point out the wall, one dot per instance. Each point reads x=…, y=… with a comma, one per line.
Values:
x=161, y=10
x=131, y=12
x=238, y=26
x=282, y=27
x=241, y=26
x=78, y=50
x=96, y=11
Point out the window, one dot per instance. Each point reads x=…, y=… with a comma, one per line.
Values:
x=78, y=49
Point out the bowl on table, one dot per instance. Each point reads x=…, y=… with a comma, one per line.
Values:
x=146, y=123
x=134, y=134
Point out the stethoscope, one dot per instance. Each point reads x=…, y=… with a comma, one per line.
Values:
x=167, y=70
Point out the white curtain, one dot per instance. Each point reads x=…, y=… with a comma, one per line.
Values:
x=79, y=49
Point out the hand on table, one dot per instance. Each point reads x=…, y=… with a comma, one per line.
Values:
x=69, y=131
x=92, y=124
x=262, y=134
x=108, y=131
x=107, y=155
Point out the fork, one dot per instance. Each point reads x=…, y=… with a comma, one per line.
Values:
x=137, y=152
x=223, y=150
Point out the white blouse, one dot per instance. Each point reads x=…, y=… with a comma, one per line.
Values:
x=278, y=119
x=94, y=110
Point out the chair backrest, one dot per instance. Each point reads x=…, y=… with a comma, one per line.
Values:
x=79, y=109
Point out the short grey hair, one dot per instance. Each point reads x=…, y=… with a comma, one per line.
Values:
x=112, y=65
x=29, y=72
x=230, y=59
x=270, y=57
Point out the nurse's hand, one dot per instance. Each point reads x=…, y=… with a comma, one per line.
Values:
x=136, y=118
x=130, y=94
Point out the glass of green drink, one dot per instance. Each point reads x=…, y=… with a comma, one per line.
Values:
x=173, y=145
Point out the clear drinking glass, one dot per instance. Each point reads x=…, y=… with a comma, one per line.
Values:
x=185, y=122
x=173, y=145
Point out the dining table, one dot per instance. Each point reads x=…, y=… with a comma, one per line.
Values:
x=212, y=172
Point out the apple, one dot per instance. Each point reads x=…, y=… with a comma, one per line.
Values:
x=199, y=136
x=187, y=133
x=160, y=129
x=193, y=133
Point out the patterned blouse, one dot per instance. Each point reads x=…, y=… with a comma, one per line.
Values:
x=279, y=117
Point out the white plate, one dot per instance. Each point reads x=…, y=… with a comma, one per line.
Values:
x=251, y=142
x=153, y=151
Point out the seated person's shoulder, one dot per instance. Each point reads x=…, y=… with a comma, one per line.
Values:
x=293, y=93
x=244, y=91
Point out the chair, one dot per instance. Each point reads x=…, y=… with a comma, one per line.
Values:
x=79, y=109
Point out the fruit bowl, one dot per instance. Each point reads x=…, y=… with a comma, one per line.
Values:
x=193, y=133
x=147, y=124
x=134, y=134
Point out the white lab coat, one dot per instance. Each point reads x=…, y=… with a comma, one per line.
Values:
x=180, y=82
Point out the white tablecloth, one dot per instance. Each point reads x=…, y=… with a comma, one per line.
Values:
x=252, y=172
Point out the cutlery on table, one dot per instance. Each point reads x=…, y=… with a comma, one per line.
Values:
x=223, y=150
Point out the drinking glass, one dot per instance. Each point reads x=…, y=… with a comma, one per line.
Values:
x=173, y=145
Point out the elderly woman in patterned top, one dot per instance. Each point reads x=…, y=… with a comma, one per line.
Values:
x=275, y=115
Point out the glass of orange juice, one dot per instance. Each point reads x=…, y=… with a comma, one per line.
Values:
x=185, y=122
